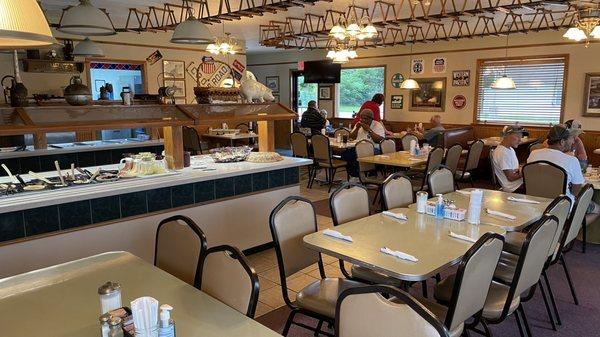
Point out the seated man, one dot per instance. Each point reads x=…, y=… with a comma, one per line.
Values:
x=578, y=149
x=506, y=164
x=313, y=119
x=366, y=128
x=431, y=136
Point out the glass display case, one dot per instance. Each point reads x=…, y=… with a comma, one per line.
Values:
x=238, y=112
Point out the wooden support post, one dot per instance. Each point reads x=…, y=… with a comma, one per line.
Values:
x=266, y=136
x=39, y=141
x=174, y=146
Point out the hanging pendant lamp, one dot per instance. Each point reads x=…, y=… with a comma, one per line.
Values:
x=23, y=24
x=87, y=20
x=192, y=31
x=504, y=82
x=88, y=48
x=409, y=83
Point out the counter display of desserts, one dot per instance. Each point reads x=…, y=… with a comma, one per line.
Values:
x=230, y=154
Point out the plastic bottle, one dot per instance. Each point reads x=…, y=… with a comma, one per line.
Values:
x=167, y=325
x=439, y=207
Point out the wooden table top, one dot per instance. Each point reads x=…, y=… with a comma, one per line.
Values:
x=422, y=236
x=63, y=299
x=399, y=159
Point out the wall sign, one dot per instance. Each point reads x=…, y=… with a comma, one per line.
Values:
x=461, y=78
x=397, y=80
x=439, y=65
x=417, y=66
x=154, y=57
x=397, y=102
x=459, y=102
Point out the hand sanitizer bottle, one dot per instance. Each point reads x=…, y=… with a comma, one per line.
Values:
x=439, y=207
x=167, y=325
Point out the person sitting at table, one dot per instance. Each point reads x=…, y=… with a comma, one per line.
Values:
x=506, y=164
x=313, y=119
x=578, y=149
x=431, y=136
x=366, y=128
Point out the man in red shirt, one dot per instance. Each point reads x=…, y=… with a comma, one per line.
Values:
x=372, y=105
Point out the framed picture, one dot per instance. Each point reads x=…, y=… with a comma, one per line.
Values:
x=325, y=92
x=179, y=87
x=461, y=78
x=276, y=96
x=431, y=96
x=397, y=102
x=173, y=69
x=273, y=83
x=591, y=102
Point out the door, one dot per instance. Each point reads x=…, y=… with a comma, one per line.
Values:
x=302, y=92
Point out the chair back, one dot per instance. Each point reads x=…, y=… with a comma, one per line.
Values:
x=406, y=141
x=473, y=156
x=226, y=275
x=473, y=279
x=535, y=146
x=397, y=191
x=491, y=158
x=560, y=208
x=299, y=144
x=191, y=140
x=243, y=127
x=575, y=221
x=544, y=179
x=321, y=149
x=290, y=221
x=364, y=148
x=387, y=146
x=441, y=180
x=364, y=311
x=342, y=132
x=452, y=157
x=179, y=245
x=349, y=202
x=436, y=156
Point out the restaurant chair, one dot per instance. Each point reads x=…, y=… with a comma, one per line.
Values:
x=495, y=182
x=243, y=127
x=323, y=158
x=368, y=174
x=179, y=245
x=342, y=132
x=289, y=222
x=397, y=192
x=364, y=311
x=544, y=179
x=226, y=275
x=387, y=146
x=504, y=300
x=191, y=140
x=453, y=157
x=471, y=164
x=434, y=159
x=300, y=149
x=440, y=181
x=347, y=203
x=406, y=141
x=535, y=146
x=471, y=285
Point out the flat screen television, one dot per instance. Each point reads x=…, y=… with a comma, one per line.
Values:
x=321, y=72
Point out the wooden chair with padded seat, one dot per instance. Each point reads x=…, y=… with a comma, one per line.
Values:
x=226, y=275
x=453, y=157
x=342, y=132
x=544, y=179
x=406, y=141
x=191, y=140
x=323, y=158
x=387, y=146
x=179, y=246
x=364, y=311
x=472, y=162
x=471, y=285
x=300, y=149
x=504, y=300
x=368, y=174
x=441, y=181
x=397, y=192
x=289, y=222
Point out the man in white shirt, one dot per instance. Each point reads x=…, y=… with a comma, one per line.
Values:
x=560, y=140
x=368, y=128
x=506, y=164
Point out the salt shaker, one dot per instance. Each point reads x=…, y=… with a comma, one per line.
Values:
x=115, y=327
x=421, y=202
x=110, y=296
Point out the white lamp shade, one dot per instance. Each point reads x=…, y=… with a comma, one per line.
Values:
x=504, y=82
x=23, y=25
x=192, y=31
x=410, y=84
x=596, y=32
x=87, y=20
x=87, y=48
x=575, y=34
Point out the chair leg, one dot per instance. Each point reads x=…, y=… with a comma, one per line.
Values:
x=552, y=300
x=486, y=329
x=343, y=269
x=471, y=180
x=571, y=285
x=289, y=322
x=375, y=197
x=310, y=173
x=318, y=329
x=548, y=310
x=519, y=323
x=584, y=235
x=424, y=288
x=525, y=322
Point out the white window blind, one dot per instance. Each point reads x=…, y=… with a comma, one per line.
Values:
x=536, y=100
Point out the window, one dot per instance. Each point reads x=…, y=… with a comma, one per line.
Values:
x=117, y=76
x=358, y=85
x=305, y=92
x=537, y=99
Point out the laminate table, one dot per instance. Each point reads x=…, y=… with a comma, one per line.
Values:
x=63, y=301
x=422, y=236
x=399, y=159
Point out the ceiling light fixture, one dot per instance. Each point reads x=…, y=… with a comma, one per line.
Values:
x=353, y=28
x=23, y=24
x=192, y=31
x=87, y=20
x=88, y=48
x=504, y=82
x=227, y=46
x=586, y=26
x=409, y=83
x=341, y=54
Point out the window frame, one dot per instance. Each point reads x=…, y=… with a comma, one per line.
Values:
x=521, y=60
x=338, y=90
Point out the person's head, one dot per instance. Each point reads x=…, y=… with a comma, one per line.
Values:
x=436, y=120
x=560, y=138
x=366, y=116
x=511, y=135
x=378, y=98
x=323, y=112
x=574, y=127
x=312, y=104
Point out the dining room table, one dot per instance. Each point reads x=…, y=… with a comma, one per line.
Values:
x=421, y=236
x=495, y=141
x=401, y=159
x=593, y=229
x=63, y=300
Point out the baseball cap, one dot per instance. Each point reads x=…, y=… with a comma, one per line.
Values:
x=510, y=129
x=558, y=133
x=574, y=127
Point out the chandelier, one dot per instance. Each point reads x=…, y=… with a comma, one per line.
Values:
x=357, y=29
x=226, y=46
x=341, y=54
x=586, y=27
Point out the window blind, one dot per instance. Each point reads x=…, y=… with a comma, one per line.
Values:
x=536, y=100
